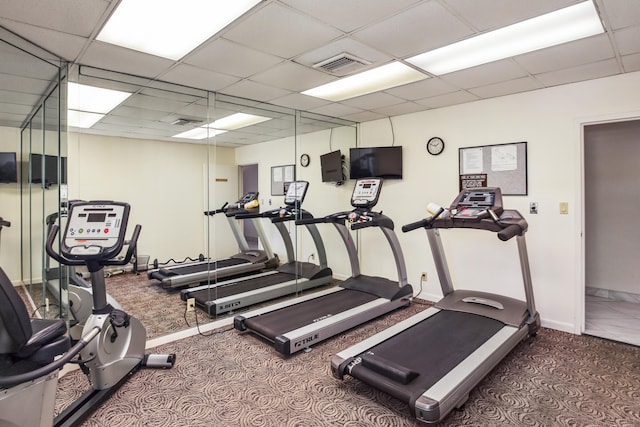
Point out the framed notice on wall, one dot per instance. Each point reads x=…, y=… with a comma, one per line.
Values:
x=499, y=165
x=281, y=177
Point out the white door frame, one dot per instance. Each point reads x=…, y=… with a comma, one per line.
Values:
x=580, y=312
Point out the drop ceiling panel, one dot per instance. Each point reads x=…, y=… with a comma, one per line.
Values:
x=398, y=109
x=336, y=110
x=628, y=40
x=253, y=90
x=154, y=103
x=226, y=57
x=291, y=76
x=373, y=101
x=491, y=14
x=567, y=55
x=280, y=31
x=582, y=72
x=621, y=13
x=300, y=101
x=504, y=88
x=111, y=57
x=422, y=89
x=447, y=99
x=631, y=62
x=424, y=27
x=63, y=45
x=353, y=14
x=78, y=17
x=487, y=74
x=193, y=76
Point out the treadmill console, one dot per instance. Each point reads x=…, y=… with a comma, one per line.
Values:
x=475, y=204
x=366, y=193
x=295, y=193
x=95, y=229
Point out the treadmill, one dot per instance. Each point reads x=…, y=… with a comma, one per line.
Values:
x=289, y=278
x=297, y=324
x=245, y=262
x=433, y=359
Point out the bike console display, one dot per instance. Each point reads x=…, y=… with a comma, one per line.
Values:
x=95, y=230
x=366, y=193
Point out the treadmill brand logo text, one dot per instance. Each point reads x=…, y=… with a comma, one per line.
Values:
x=306, y=341
x=230, y=305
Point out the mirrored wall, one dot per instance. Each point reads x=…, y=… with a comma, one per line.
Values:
x=175, y=153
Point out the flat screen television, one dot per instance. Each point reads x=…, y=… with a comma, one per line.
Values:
x=331, y=167
x=8, y=168
x=50, y=169
x=382, y=162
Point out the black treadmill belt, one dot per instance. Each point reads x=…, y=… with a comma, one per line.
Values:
x=287, y=319
x=234, y=288
x=431, y=348
x=202, y=267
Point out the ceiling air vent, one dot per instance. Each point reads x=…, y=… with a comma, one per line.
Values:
x=183, y=121
x=342, y=64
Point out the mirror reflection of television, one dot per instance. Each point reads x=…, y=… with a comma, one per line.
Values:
x=331, y=167
x=382, y=162
x=50, y=169
x=8, y=168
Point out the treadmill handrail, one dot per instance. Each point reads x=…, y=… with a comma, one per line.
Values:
x=217, y=211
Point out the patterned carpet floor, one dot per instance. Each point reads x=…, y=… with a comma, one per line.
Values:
x=234, y=379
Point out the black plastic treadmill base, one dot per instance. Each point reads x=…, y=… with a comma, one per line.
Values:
x=378, y=286
x=286, y=319
x=431, y=348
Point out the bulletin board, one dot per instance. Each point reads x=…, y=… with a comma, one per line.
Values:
x=499, y=165
x=281, y=177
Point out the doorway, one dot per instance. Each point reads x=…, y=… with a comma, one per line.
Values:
x=249, y=180
x=612, y=239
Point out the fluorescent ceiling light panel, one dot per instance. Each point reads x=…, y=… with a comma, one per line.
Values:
x=232, y=122
x=374, y=80
x=199, y=133
x=82, y=119
x=93, y=99
x=237, y=121
x=170, y=28
x=561, y=26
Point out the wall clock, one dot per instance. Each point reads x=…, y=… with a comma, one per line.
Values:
x=305, y=160
x=435, y=146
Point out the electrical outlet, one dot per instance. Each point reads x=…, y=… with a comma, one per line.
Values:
x=191, y=304
x=423, y=277
x=46, y=305
x=312, y=257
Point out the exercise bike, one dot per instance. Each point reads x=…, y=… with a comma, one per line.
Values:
x=112, y=346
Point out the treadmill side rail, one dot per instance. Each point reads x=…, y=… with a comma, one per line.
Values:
x=299, y=339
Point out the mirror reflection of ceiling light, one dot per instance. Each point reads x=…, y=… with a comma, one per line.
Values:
x=561, y=26
x=201, y=132
x=374, y=80
x=170, y=29
x=232, y=122
x=88, y=104
x=82, y=119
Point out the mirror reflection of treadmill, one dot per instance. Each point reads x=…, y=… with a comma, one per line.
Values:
x=297, y=324
x=432, y=360
x=247, y=261
x=289, y=278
